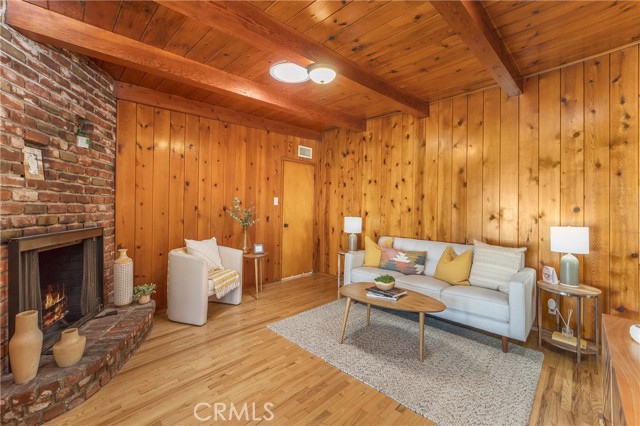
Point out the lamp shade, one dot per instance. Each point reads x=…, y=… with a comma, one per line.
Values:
x=321, y=73
x=570, y=239
x=352, y=225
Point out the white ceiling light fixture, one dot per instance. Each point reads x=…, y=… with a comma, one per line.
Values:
x=288, y=72
x=321, y=73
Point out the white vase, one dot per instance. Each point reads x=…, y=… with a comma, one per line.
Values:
x=25, y=347
x=123, y=279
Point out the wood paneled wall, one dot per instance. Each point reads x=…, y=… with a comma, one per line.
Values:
x=174, y=174
x=503, y=170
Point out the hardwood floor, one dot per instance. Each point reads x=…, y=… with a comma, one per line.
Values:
x=235, y=359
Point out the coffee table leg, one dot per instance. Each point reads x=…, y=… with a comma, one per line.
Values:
x=421, y=316
x=368, y=313
x=344, y=319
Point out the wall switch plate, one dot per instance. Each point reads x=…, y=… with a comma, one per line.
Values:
x=275, y=201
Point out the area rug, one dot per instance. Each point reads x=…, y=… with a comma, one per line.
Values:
x=465, y=378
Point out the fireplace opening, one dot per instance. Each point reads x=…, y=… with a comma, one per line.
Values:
x=60, y=275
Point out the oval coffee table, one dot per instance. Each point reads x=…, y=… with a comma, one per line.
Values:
x=410, y=302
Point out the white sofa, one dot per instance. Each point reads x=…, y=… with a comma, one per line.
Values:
x=508, y=315
x=189, y=289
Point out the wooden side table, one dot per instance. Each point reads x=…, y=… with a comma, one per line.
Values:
x=341, y=253
x=257, y=263
x=581, y=292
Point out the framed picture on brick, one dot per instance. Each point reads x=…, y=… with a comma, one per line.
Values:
x=33, y=168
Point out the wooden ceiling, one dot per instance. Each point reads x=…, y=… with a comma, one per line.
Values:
x=391, y=55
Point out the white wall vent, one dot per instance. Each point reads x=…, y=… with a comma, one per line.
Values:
x=305, y=152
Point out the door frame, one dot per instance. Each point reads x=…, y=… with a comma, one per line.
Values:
x=281, y=221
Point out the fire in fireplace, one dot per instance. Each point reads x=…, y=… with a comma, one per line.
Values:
x=60, y=275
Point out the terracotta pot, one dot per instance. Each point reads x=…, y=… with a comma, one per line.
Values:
x=144, y=299
x=246, y=242
x=123, y=279
x=25, y=347
x=69, y=350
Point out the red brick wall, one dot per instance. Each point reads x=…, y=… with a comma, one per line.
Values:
x=43, y=90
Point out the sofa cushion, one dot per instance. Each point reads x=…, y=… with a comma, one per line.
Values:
x=206, y=250
x=434, y=250
x=477, y=301
x=454, y=268
x=405, y=261
x=373, y=252
x=493, y=266
x=368, y=273
x=422, y=284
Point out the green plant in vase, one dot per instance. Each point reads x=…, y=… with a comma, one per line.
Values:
x=142, y=293
x=246, y=218
x=385, y=282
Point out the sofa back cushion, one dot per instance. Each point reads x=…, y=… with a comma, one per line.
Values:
x=493, y=266
x=404, y=261
x=434, y=250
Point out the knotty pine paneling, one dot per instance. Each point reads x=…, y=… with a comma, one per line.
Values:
x=174, y=174
x=503, y=170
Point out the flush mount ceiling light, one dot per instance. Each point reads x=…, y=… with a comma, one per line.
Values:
x=321, y=73
x=288, y=72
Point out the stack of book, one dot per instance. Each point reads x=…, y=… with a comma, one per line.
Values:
x=392, y=295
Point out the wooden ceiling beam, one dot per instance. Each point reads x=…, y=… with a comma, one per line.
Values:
x=133, y=93
x=469, y=19
x=245, y=21
x=49, y=27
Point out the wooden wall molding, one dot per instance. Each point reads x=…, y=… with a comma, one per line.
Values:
x=247, y=22
x=133, y=93
x=45, y=26
x=469, y=20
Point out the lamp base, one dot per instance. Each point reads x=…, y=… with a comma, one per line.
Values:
x=569, y=270
x=353, y=242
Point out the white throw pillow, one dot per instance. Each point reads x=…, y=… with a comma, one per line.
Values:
x=206, y=250
x=493, y=266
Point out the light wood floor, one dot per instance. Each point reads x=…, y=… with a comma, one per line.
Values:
x=235, y=359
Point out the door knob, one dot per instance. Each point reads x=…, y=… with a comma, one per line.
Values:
x=286, y=225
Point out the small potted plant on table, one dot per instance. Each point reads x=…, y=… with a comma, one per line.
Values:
x=142, y=293
x=385, y=282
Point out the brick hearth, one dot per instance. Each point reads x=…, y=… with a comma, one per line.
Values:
x=110, y=342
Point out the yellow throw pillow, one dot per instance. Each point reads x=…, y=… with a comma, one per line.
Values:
x=373, y=252
x=454, y=268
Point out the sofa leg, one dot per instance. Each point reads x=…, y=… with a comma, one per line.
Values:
x=505, y=344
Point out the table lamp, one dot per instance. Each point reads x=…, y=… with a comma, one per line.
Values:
x=353, y=226
x=570, y=240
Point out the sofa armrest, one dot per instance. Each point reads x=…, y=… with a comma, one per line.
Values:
x=352, y=259
x=522, y=292
x=187, y=288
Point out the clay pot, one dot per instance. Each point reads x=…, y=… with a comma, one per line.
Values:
x=144, y=299
x=25, y=347
x=70, y=348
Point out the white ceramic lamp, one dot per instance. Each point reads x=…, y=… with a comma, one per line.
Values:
x=353, y=226
x=570, y=240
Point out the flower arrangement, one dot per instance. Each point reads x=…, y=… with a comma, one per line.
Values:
x=143, y=290
x=245, y=217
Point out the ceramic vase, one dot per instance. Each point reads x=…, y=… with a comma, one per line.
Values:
x=122, y=279
x=246, y=242
x=144, y=299
x=69, y=350
x=25, y=347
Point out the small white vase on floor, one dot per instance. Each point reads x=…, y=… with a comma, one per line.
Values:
x=123, y=279
x=25, y=347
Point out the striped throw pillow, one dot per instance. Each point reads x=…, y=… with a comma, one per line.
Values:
x=493, y=266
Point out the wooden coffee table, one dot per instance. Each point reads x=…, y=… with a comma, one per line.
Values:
x=410, y=302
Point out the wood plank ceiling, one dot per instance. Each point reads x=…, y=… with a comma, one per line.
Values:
x=395, y=50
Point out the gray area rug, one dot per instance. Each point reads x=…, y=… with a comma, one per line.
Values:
x=465, y=378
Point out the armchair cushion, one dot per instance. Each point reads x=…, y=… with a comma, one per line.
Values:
x=206, y=250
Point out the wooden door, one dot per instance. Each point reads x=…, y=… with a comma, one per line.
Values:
x=297, y=218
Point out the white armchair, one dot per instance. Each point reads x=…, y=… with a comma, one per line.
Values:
x=188, y=289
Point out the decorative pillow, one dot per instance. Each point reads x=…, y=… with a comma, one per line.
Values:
x=493, y=266
x=372, y=251
x=407, y=262
x=206, y=250
x=454, y=268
